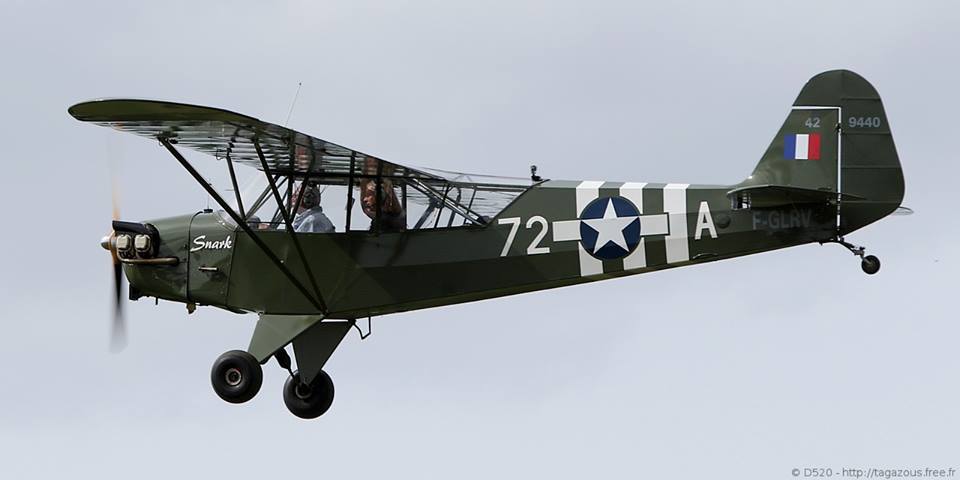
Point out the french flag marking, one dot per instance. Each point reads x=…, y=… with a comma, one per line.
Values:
x=802, y=146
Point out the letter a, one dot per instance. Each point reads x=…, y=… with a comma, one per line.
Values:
x=705, y=222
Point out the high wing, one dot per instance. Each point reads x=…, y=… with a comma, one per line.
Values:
x=229, y=135
x=223, y=133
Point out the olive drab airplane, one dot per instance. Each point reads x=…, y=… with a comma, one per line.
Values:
x=325, y=236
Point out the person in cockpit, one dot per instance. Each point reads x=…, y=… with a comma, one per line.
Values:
x=392, y=217
x=310, y=217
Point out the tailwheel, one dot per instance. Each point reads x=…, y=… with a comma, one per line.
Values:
x=870, y=264
x=308, y=401
x=236, y=376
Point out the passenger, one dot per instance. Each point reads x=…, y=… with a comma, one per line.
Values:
x=310, y=217
x=392, y=216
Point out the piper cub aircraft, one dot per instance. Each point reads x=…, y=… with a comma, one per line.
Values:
x=334, y=235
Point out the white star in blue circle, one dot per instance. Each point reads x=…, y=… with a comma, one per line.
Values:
x=610, y=228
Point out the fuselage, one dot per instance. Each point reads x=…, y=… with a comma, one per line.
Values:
x=555, y=234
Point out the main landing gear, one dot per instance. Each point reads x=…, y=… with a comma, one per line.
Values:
x=237, y=376
x=868, y=263
x=308, y=392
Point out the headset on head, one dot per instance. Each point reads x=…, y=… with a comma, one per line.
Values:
x=310, y=195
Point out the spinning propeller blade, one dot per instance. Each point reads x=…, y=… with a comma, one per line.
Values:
x=118, y=331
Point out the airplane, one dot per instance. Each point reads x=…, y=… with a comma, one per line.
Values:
x=327, y=235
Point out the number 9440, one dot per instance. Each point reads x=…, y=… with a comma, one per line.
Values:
x=864, y=122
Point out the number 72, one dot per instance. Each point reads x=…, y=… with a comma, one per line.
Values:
x=534, y=248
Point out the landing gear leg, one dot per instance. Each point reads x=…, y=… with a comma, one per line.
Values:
x=868, y=263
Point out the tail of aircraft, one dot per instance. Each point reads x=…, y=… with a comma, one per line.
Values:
x=835, y=146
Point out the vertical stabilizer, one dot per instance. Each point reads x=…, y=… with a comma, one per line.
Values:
x=837, y=140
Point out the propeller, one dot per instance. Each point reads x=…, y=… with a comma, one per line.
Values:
x=118, y=330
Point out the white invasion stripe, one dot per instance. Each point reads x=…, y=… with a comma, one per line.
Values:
x=638, y=258
x=588, y=264
x=675, y=204
x=803, y=144
x=587, y=192
x=653, y=225
x=633, y=191
x=566, y=230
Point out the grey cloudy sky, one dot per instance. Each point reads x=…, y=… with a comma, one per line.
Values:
x=745, y=368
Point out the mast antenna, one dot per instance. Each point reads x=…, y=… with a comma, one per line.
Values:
x=293, y=104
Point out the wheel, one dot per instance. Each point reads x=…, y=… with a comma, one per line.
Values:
x=236, y=376
x=308, y=401
x=870, y=264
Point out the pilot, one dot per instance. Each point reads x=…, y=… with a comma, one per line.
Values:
x=310, y=217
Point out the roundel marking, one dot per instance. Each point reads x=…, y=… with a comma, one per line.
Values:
x=610, y=228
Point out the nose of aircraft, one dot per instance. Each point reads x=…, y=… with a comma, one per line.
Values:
x=153, y=257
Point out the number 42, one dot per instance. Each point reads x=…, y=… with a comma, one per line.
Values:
x=534, y=248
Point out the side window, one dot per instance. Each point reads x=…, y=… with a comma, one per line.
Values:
x=409, y=204
x=740, y=201
x=259, y=205
x=375, y=198
x=311, y=206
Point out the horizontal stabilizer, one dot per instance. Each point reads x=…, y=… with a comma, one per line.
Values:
x=767, y=196
x=903, y=211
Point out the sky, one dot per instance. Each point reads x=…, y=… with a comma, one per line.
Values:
x=744, y=368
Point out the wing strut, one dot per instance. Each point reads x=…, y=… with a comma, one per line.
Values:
x=317, y=302
x=353, y=161
x=236, y=189
x=286, y=219
x=233, y=176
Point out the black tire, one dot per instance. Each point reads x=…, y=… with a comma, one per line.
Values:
x=870, y=264
x=311, y=401
x=236, y=376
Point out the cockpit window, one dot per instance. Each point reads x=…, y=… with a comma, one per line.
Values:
x=384, y=205
x=375, y=198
